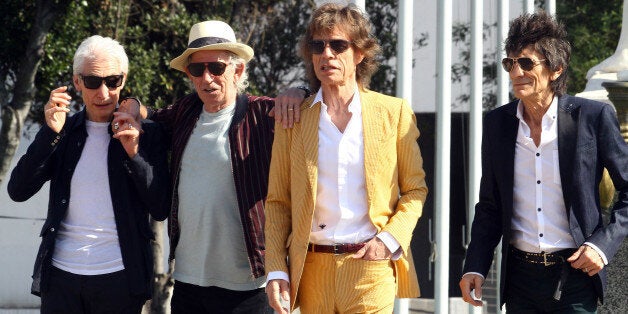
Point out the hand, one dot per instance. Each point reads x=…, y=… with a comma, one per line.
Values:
x=586, y=259
x=287, y=108
x=275, y=289
x=127, y=131
x=373, y=250
x=56, y=109
x=133, y=107
x=471, y=282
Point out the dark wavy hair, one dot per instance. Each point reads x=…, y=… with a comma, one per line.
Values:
x=548, y=37
x=356, y=25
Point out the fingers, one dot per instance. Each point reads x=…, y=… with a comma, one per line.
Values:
x=587, y=260
x=122, y=122
x=373, y=250
x=468, y=283
x=58, y=98
x=278, y=293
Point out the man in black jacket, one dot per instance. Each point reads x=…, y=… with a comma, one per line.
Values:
x=95, y=255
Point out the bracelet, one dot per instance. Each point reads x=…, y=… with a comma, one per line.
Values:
x=307, y=91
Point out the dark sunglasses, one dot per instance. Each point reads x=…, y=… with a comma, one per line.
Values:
x=94, y=82
x=525, y=63
x=317, y=46
x=214, y=68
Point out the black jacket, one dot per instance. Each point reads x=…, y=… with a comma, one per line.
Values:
x=138, y=186
x=589, y=140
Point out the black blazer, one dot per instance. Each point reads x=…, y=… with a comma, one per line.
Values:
x=138, y=186
x=588, y=141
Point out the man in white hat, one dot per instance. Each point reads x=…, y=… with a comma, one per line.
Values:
x=221, y=141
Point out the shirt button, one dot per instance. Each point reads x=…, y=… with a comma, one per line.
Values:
x=541, y=235
x=538, y=154
x=538, y=181
x=538, y=209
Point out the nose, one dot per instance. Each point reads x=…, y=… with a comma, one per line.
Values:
x=516, y=70
x=103, y=90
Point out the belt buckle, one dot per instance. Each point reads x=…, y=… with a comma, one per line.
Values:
x=545, y=262
x=336, y=248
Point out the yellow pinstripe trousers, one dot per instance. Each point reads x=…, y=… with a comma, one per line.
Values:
x=341, y=284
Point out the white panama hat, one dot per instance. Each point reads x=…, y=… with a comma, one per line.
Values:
x=211, y=35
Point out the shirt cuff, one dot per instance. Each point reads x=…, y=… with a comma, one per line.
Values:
x=474, y=273
x=391, y=243
x=597, y=249
x=277, y=275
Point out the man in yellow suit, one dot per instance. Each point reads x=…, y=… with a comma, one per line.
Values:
x=346, y=185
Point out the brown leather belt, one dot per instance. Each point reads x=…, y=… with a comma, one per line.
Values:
x=336, y=248
x=543, y=258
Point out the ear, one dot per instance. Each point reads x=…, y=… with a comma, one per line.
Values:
x=358, y=56
x=556, y=74
x=239, y=70
x=76, y=82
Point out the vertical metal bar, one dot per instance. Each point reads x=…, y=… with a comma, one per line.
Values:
x=475, y=116
x=443, y=163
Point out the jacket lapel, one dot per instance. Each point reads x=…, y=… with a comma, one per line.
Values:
x=506, y=141
x=567, y=128
x=371, y=139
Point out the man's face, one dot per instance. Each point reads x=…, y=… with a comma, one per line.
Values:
x=332, y=67
x=100, y=102
x=216, y=91
x=533, y=85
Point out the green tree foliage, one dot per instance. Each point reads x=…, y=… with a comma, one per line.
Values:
x=594, y=28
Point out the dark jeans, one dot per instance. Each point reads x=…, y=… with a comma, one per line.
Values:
x=79, y=294
x=530, y=289
x=193, y=299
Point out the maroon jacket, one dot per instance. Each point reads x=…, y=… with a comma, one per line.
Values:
x=250, y=140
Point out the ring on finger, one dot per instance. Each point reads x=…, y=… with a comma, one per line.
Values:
x=290, y=109
x=116, y=126
x=130, y=126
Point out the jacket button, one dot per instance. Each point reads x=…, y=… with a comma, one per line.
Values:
x=63, y=201
x=52, y=229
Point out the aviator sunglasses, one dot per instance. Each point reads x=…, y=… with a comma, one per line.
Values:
x=94, y=82
x=214, y=68
x=317, y=46
x=525, y=63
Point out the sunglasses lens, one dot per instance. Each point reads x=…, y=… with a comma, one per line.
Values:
x=196, y=69
x=507, y=64
x=94, y=82
x=338, y=45
x=526, y=64
x=113, y=81
x=317, y=46
x=216, y=68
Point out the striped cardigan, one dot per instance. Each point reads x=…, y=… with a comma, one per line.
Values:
x=250, y=139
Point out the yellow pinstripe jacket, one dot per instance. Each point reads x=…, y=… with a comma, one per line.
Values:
x=395, y=183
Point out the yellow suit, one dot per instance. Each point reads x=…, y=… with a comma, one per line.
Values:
x=395, y=183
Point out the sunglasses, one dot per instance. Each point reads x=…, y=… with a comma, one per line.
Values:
x=94, y=82
x=525, y=63
x=317, y=46
x=214, y=68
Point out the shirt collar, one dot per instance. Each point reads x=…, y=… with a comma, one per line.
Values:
x=550, y=114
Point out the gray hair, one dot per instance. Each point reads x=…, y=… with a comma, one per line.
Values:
x=243, y=82
x=110, y=47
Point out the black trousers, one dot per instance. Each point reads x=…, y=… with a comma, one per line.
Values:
x=530, y=289
x=79, y=294
x=193, y=299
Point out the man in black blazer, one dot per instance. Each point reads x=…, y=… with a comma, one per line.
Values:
x=105, y=179
x=542, y=161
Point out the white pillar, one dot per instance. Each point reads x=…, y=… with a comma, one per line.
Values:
x=443, y=162
x=528, y=6
x=550, y=7
x=475, y=117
